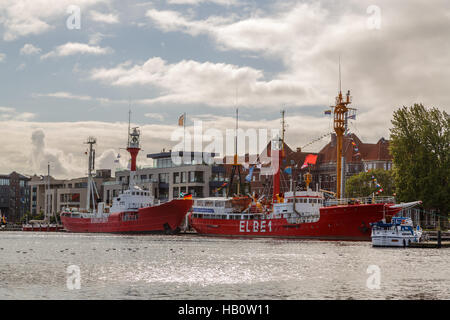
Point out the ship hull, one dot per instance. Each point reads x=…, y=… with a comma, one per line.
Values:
x=351, y=222
x=43, y=228
x=165, y=218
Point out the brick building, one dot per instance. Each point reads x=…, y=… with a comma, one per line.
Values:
x=359, y=157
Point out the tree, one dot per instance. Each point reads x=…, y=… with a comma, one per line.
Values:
x=362, y=184
x=420, y=146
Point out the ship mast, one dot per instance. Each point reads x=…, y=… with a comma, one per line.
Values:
x=277, y=156
x=340, y=127
x=91, y=166
x=48, y=209
x=133, y=148
x=236, y=165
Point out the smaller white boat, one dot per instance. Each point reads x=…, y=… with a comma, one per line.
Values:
x=400, y=232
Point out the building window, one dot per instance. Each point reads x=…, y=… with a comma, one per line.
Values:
x=196, y=176
x=164, y=177
x=164, y=163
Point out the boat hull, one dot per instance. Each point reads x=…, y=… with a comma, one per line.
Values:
x=393, y=241
x=165, y=218
x=43, y=228
x=350, y=222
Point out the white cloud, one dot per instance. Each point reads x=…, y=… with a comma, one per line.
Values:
x=63, y=95
x=71, y=96
x=156, y=116
x=107, y=160
x=2, y=57
x=96, y=38
x=208, y=83
x=31, y=17
x=75, y=48
x=8, y=113
x=399, y=64
x=29, y=49
x=108, y=18
x=62, y=143
x=198, y=2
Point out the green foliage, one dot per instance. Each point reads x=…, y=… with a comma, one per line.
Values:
x=420, y=146
x=39, y=216
x=362, y=185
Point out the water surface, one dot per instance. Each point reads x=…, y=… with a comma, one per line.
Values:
x=34, y=266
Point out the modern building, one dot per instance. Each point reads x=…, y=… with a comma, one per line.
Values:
x=50, y=196
x=194, y=173
x=14, y=196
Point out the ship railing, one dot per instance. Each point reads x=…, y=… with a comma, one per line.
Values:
x=361, y=200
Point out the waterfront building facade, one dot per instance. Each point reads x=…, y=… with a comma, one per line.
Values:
x=49, y=195
x=167, y=180
x=14, y=196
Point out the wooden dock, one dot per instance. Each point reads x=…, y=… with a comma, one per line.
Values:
x=429, y=244
x=432, y=235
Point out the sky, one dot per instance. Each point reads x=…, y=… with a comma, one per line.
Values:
x=70, y=69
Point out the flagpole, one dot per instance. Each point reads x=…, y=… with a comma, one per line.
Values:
x=184, y=131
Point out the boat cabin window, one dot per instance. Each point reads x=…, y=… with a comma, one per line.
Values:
x=209, y=203
x=219, y=204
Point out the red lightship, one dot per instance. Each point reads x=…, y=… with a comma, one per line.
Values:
x=133, y=211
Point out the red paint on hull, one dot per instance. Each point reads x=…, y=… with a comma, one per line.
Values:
x=154, y=219
x=350, y=222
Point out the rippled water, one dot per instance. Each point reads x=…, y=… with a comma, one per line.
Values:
x=34, y=265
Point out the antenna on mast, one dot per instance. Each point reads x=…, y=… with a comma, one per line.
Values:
x=340, y=83
x=283, y=130
x=129, y=126
x=236, y=165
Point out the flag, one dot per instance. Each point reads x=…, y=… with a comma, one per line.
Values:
x=187, y=196
x=249, y=176
x=223, y=185
x=327, y=111
x=288, y=170
x=310, y=159
x=181, y=120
